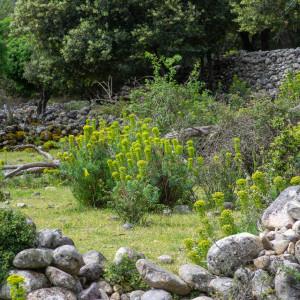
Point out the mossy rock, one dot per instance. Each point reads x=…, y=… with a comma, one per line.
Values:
x=20, y=135
x=46, y=135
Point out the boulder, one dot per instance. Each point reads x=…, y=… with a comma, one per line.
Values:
x=297, y=251
x=293, y=209
x=262, y=285
x=90, y=293
x=203, y=298
x=68, y=259
x=33, y=259
x=159, y=278
x=136, y=295
x=196, y=277
x=94, y=257
x=62, y=279
x=222, y=288
x=165, y=259
x=128, y=252
x=157, y=295
x=228, y=254
x=287, y=287
x=92, y=272
x=276, y=215
x=54, y=293
x=52, y=238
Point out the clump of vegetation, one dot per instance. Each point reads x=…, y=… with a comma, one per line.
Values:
x=125, y=274
x=16, y=286
x=15, y=235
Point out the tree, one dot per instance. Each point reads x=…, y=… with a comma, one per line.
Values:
x=268, y=18
x=80, y=42
x=6, y=8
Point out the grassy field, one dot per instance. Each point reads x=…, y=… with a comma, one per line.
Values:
x=52, y=205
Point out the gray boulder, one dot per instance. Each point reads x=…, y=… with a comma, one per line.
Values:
x=52, y=238
x=196, y=277
x=159, y=278
x=136, y=295
x=262, y=285
x=94, y=257
x=62, y=279
x=33, y=259
x=287, y=287
x=128, y=252
x=90, y=293
x=92, y=272
x=222, y=288
x=228, y=254
x=68, y=259
x=54, y=293
x=297, y=251
x=203, y=298
x=157, y=295
x=276, y=215
x=293, y=209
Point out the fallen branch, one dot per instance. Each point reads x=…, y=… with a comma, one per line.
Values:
x=190, y=132
x=37, y=149
x=32, y=167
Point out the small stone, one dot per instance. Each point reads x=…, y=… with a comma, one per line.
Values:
x=270, y=235
x=21, y=205
x=36, y=194
x=50, y=188
x=136, y=295
x=262, y=262
x=127, y=226
x=115, y=296
x=280, y=246
x=91, y=293
x=266, y=243
x=182, y=209
x=124, y=297
x=167, y=211
x=54, y=293
x=127, y=252
x=105, y=286
x=296, y=228
x=291, y=235
x=118, y=288
x=157, y=295
x=291, y=248
x=92, y=272
x=221, y=286
x=228, y=205
x=270, y=252
x=165, y=259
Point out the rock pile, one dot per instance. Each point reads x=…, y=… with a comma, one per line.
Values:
x=242, y=266
x=24, y=126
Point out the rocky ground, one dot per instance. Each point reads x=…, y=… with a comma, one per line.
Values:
x=241, y=266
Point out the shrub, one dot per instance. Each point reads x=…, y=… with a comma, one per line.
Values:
x=171, y=105
x=125, y=274
x=290, y=91
x=15, y=235
x=16, y=285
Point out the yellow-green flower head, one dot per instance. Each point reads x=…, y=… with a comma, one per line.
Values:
x=86, y=172
x=88, y=122
x=15, y=279
x=237, y=145
x=227, y=214
x=200, y=160
x=190, y=163
x=115, y=124
x=115, y=164
x=243, y=195
x=228, y=155
x=139, y=177
x=155, y=131
x=258, y=176
x=148, y=153
x=189, y=244
x=147, y=120
x=191, y=151
x=128, y=177
x=227, y=229
x=295, y=180
x=115, y=175
x=241, y=182
x=179, y=149
x=142, y=164
x=145, y=127
x=71, y=140
x=122, y=169
x=218, y=197
x=175, y=142
x=145, y=135
x=129, y=155
x=204, y=244
x=126, y=129
x=190, y=143
x=216, y=158
x=1, y=163
x=110, y=163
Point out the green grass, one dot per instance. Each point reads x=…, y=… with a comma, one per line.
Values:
x=95, y=228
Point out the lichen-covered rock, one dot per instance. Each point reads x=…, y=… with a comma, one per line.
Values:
x=54, y=293
x=159, y=278
x=33, y=259
x=68, y=259
x=157, y=295
x=52, y=238
x=196, y=277
x=136, y=295
x=262, y=285
x=293, y=209
x=91, y=293
x=92, y=272
x=62, y=279
x=222, y=288
x=94, y=257
x=287, y=287
x=276, y=215
x=228, y=254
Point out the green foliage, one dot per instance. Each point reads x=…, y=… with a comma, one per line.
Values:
x=16, y=285
x=290, y=90
x=133, y=199
x=15, y=235
x=284, y=154
x=115, y=37
x=176, y=105
x=6, y=8
x=125, y=274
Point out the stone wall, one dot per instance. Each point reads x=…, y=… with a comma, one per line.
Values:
x=262, y=70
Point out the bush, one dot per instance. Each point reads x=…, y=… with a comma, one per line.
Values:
x=171, y=105
x=126, y=275
x=16, y=285
x=15, y=235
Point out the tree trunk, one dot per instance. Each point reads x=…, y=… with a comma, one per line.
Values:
x=246, y=43
x=265, y=38
x=42, y=105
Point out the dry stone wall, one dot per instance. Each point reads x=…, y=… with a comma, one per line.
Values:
x=262, y=70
